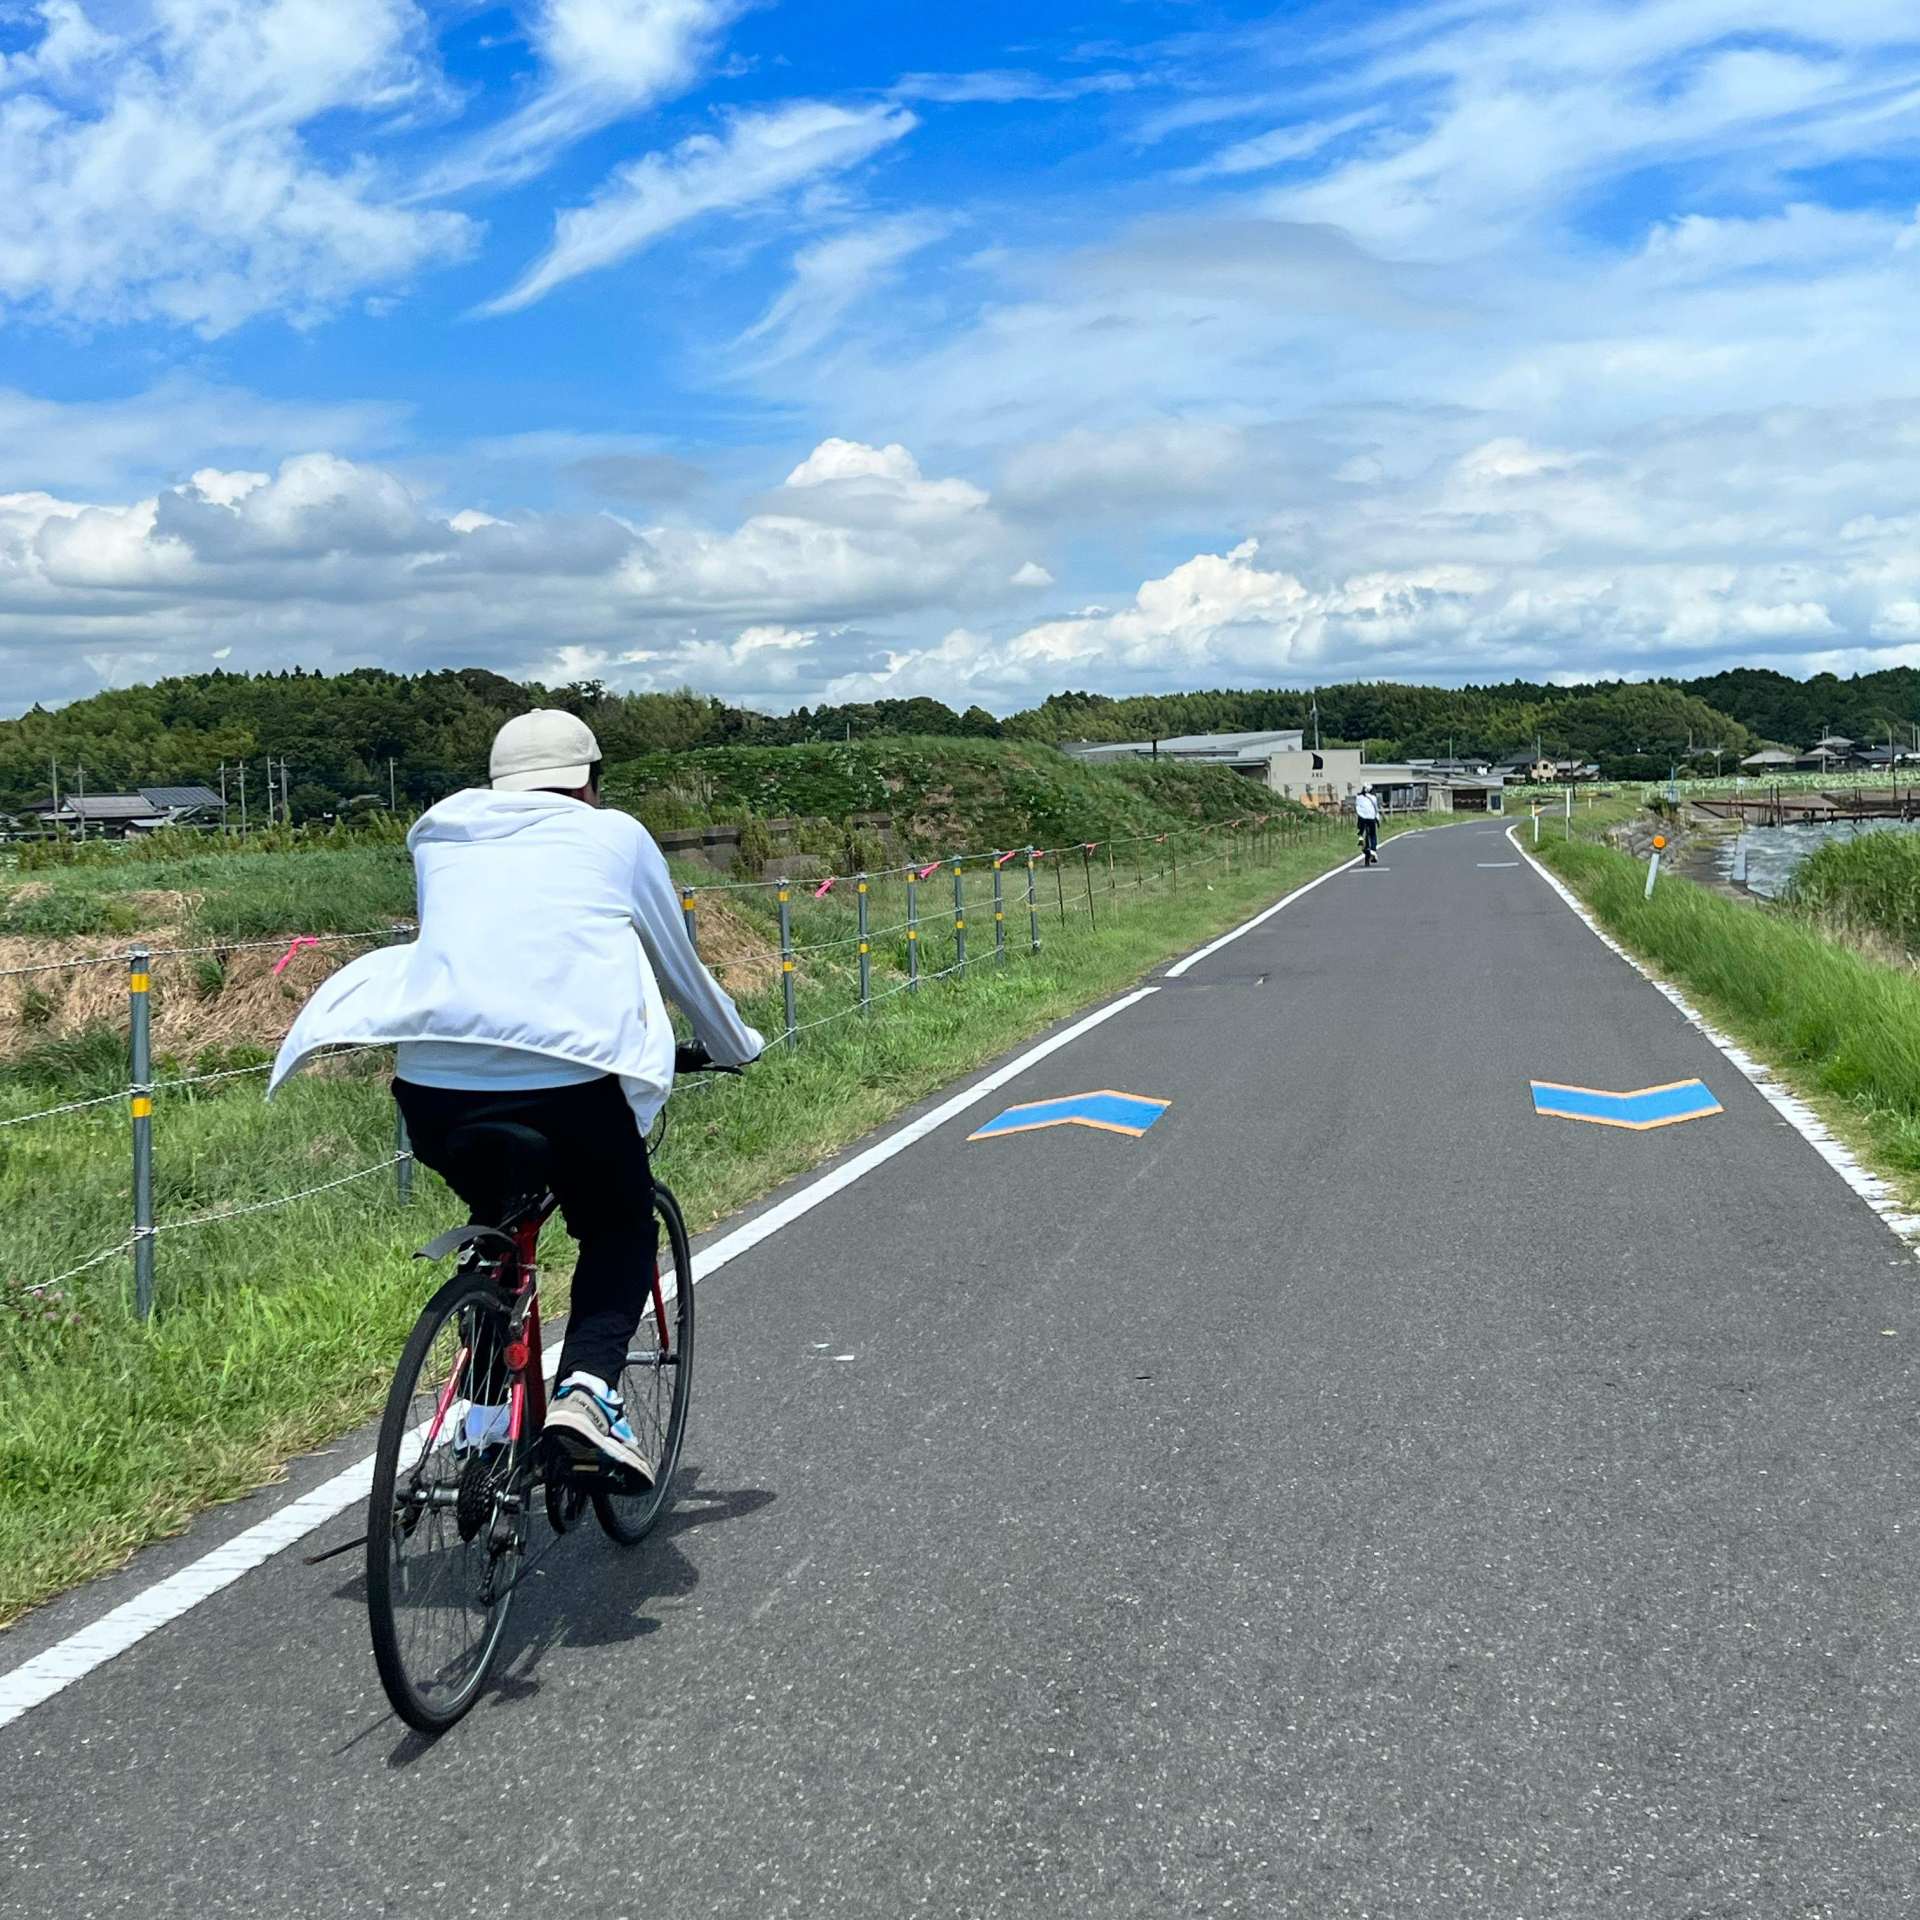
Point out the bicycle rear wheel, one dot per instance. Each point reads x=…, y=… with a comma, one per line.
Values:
x=446, y=1520
x=657, y=1382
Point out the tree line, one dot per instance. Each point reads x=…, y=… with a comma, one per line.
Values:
x=353, y=739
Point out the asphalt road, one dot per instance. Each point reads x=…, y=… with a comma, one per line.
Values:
x=1359, y=1497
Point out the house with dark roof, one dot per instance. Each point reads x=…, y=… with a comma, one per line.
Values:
x=115, y=815
x=187, y=804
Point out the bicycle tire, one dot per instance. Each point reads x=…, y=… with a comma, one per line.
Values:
x=629, y=1518
x=420, y=1706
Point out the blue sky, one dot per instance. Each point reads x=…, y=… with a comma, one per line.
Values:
x=859, y=349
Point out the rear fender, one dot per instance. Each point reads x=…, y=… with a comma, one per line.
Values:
x=457, y=1237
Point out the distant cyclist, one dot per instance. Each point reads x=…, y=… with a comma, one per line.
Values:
x=528, y=999
x=1366, y=811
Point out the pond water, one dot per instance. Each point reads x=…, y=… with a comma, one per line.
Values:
x=1774, y=852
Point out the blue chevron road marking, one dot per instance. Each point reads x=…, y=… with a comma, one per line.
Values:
x=1109, y=1112
x=1640, y=1109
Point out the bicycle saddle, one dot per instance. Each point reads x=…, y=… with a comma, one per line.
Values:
x=495, y=1164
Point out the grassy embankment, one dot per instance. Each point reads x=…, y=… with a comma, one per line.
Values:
x=1840, y=1024
x=277, y=1329
x=1868, y=888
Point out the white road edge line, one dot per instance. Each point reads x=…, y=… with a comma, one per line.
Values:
x=1877, y=1193
x=37, y=1680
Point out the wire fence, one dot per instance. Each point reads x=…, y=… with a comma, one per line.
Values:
x=1000, y=895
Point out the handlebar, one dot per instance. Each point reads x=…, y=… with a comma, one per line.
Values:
x=691, y=1057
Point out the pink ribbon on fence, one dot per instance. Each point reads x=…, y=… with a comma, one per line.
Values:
x=932, y=866
x=824, y=888
x=1089, y=846
x=1000, y=860
x=298, y=941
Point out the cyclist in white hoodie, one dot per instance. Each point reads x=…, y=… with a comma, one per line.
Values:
x=527, y=998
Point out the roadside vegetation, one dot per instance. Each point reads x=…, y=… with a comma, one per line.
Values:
x=277, y=1330
x=1840, y=1025
x=1867, y=887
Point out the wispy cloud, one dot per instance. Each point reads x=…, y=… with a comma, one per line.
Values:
x=171, y=175
x=600, y=60
x=830, y=278
x=1004, y=86
x=758, y=157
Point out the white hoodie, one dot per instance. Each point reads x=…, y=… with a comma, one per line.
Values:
x=529, y=904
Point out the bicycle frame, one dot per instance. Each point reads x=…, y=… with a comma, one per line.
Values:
x=527, y=1398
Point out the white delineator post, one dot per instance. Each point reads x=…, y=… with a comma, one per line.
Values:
x=1653, y=865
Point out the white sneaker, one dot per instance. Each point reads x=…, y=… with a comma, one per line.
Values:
x=589, y=1422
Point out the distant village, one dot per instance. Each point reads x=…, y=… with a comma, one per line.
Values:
x=1321, y=776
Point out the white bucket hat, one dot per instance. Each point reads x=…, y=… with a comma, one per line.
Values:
x=544, y=748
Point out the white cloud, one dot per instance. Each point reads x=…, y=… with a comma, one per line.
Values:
x=758, y=157
x=1030, y=573
x=332, y=561
x=166, y=174
x=1514, y=111
x=1004, y=86
x=601, y=60
x=136, y=442
x=830, y=277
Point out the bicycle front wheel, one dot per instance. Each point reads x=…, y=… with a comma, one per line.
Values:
x=446, y=1521
x=658, y=1380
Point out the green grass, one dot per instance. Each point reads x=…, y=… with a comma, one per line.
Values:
x=225, y=896
x=1866, y=885
x=278, y=1330
x=943, y=794
x=1842, y=1027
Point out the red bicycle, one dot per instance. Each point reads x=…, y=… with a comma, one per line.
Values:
x=461, y=1460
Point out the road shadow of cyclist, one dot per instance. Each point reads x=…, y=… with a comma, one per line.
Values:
x=595, y=1612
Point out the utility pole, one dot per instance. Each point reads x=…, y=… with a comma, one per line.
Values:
x=80, y=797
x=286, y=805
x=53, y=819
x=243, y=799
x=391, y=808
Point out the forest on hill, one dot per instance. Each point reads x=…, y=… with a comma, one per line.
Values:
x=347, y=736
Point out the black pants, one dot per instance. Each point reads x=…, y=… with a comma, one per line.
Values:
x=1369, y=837
x=605, y=1188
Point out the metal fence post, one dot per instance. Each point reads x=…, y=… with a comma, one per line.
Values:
x=866, y=963
x=1086, y=868
x=959, y=917
x=786, y=959
x=999, y=913
x=913, y=931
x=1033, y=910
x=402, y=1145
x=690, y=913
x=140, y=1106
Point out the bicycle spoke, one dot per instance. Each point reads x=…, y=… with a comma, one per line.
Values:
x=439, y=1567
